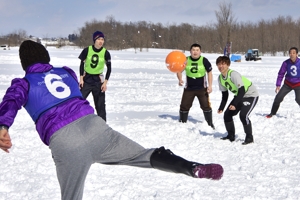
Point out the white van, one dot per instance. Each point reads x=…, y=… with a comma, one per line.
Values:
x=4, y=47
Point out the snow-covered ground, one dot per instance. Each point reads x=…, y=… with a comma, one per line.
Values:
x=142, y=101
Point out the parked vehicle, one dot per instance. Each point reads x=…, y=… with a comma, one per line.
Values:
x=252, y=54
x=4, y=47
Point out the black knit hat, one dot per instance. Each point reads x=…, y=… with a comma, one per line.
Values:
x=31, y=52
x=97, y=34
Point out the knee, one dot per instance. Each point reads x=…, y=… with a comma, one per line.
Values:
x=244, y=119
x=227, y=117
x=278, y=99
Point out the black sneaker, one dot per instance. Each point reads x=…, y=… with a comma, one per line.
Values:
x=231, y=139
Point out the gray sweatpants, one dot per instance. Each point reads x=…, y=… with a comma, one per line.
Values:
x=90, y=140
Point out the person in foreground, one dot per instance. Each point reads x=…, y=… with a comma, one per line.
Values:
x=290, y=68
x=245, y=99
x=196, y=85
x=77, y=137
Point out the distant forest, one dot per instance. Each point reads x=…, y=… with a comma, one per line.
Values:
x=269, y=36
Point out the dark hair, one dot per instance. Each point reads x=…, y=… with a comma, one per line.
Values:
x=294, y=48
x=195, y=45
x=223, y=59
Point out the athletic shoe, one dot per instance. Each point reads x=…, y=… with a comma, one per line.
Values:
x=209, y=171
x=269, y=116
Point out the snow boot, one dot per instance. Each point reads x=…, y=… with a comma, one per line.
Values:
x=249, y=136
x=183, y=115
x=208, y=118
x=230, y=130
x=165, y=160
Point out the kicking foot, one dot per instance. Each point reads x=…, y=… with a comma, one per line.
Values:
x=209, y=171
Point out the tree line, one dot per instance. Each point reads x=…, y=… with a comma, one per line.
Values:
x=269, y=36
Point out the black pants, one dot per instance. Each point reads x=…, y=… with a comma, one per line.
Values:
x=98, y=95
x=244, y=107
x=188, y=97
x=284, y=90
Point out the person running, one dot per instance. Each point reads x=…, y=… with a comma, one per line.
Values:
x=77, y=137
x=290, y=69
x=93, y=59
x=196, y=69
x=245, y=99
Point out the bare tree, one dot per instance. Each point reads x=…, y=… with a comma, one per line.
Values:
x=225, y=21
x=269, y=36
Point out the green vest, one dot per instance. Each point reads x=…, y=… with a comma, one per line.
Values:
x=195, y=69
x=231, y=86
x=94, y=62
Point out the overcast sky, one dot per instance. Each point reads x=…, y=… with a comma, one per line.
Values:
x=59, y=18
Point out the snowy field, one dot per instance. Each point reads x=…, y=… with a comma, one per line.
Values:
x=142, y=102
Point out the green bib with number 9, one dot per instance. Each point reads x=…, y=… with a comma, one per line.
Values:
x=94, y=62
